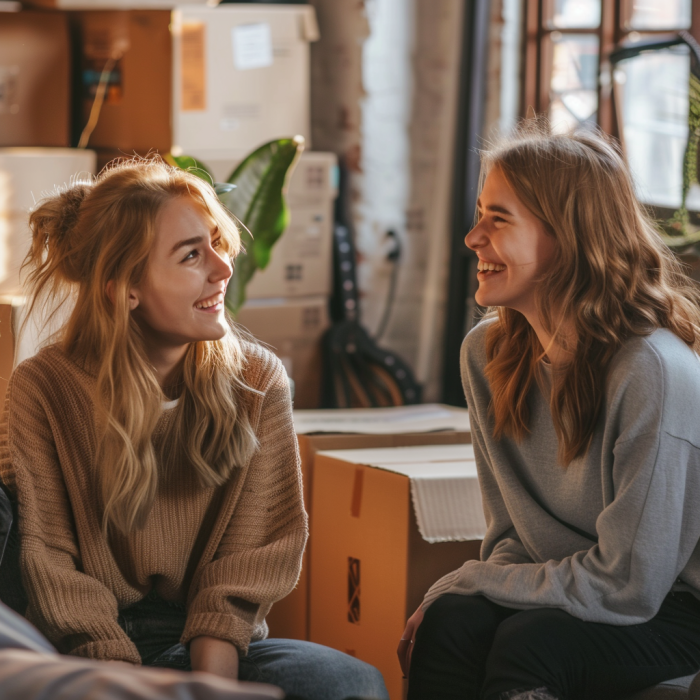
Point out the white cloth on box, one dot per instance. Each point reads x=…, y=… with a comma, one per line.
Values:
x=446, y=499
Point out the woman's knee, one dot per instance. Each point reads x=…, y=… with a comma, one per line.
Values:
x=312, y=671
x=460, y=619
x=529, y=651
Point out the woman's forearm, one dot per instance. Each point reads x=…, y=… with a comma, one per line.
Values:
x=214, y=655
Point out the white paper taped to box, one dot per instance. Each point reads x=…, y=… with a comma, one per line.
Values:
x=444, y=486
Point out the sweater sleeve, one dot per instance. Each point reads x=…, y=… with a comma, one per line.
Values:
x=75, y=611
x=258, y=559
x=646, y=533
x=501, y=544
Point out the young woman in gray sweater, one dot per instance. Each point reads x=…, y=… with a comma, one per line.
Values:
x=583, y=388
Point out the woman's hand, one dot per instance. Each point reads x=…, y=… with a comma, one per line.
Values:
x=214, y=655
x=408, y=638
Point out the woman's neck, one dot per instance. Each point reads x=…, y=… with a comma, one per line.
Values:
x=554, y=353
x=166, y=362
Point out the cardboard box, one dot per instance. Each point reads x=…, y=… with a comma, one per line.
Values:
x=343, y=429
x=135, y=116
x=241, y=77
x=380, y=525
x=293, y=329
x=115, y=4
x=302, y=260
x=26, y=175
x=34, y=79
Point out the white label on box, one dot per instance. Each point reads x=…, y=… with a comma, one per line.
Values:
x=252, y=46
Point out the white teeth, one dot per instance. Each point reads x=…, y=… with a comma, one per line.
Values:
x=487, y=266
x=209, y=302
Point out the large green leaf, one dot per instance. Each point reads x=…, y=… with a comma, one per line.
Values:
x=258, y=202
x=196, y=167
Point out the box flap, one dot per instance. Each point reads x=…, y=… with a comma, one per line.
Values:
x=423, y=418
x=444, y=486
x=382, y=456
x=309, y=25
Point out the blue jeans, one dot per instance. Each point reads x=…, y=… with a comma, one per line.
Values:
x=305, y=671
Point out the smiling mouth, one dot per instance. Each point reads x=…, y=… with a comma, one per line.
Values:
x=211, y=304
x=487, y=269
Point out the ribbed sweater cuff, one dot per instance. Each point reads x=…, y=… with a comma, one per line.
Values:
x=219, y=625
x=440, y=587
x=112, y=649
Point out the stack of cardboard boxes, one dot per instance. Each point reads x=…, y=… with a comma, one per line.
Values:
x=241, y=76
x=211, y=82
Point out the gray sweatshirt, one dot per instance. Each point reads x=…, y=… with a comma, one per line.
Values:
x=609, y=536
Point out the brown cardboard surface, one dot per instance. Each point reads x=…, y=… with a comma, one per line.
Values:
x=289, y=618
x=6, y=350
x=34, y=79
x=369, y=565
x=245, y=104
x=293, y=329
x=302, y=260
x=136, y=113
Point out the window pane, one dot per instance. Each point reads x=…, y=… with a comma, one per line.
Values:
x=573, y=91
x=660, y=14
x=654, y=107
x=576, y=14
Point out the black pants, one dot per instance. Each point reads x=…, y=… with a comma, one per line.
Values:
x=469, y=648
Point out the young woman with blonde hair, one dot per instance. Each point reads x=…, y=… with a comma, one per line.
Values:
x=583, y=387
x=151, y=449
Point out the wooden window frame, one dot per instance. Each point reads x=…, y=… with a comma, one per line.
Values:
x=537, y=54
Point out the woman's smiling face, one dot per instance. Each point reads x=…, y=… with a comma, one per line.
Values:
x=513, y=246
x=181, y=299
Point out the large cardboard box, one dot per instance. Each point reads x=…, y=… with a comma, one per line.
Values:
x=34, y=79
x=293, y=329
x=26, y=175
x=385, y=525
x=241, y=77
x=344, y=429
x=135, y=116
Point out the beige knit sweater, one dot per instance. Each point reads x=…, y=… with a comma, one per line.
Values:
x=227, y=553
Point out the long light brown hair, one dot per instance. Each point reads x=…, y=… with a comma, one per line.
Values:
x=612, y=278
x=99, y=231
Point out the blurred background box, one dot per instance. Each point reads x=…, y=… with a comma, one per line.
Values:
x=241, y=77
x=136, y=113
x=293, y=329
x=302, y=260
x=344, y=429
x=34, y=79
x=26, y=175
x=381, y=526
x=115, y=4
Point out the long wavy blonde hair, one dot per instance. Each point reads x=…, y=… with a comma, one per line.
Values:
x=612, y=278
x=103, y=230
